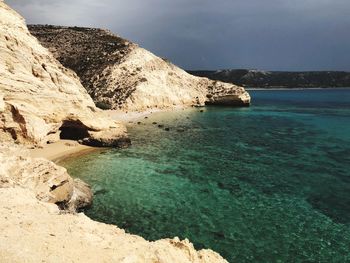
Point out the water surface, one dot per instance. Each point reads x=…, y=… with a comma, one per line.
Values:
x=269, y=183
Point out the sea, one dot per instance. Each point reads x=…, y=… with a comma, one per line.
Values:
x=266, y=183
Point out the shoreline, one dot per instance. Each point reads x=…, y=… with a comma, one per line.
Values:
x=66, y=149
x=130, y=117
x=62, y=150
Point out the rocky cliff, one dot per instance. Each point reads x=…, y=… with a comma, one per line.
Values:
x=279, y=79
x=120, y=75
x=40, y=100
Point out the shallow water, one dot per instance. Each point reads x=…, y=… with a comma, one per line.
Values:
x=269, y=183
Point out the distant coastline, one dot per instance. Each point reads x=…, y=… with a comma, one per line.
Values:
x=278, y=79
x=299, y=88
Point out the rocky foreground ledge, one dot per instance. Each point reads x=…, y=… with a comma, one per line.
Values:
x=47, y=181
x=33, y=231
x=35, y=197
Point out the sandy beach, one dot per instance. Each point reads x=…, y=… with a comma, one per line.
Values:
x=132, y=116
x=61, y=150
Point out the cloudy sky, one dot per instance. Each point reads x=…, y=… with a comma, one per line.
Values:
x=216, y=34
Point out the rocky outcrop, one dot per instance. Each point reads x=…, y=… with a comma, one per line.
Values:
x=81, y=197
x=40, y=100
x=278, y=79
x=120, y=75
x=49, y=182
x=220, y=93
x=106, y=139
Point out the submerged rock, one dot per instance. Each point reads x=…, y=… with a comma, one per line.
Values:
x=100, y=191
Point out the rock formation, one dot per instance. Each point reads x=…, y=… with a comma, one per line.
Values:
x=49, y=182
x=120, y=75
x=40, y=100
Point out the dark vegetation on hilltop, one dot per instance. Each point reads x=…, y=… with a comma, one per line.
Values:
x=278, y=79
x=90, y=51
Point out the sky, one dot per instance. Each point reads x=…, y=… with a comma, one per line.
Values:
x=216, y=34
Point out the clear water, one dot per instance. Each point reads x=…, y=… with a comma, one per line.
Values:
x=269, y=183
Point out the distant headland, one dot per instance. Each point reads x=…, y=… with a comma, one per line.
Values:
x=278, y=79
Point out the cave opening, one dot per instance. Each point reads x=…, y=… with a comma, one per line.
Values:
x=73, y=130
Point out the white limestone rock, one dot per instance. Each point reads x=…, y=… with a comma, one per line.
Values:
x=37, y=94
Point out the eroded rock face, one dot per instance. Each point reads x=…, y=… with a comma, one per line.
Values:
x=120, y=75
x=220, y=93
x=108, y=138
x=82, y=196
x=49, y=182
x=37, y=94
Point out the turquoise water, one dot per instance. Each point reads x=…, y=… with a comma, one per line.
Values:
x=269, y=183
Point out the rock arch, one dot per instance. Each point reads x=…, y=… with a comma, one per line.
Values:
x=73, y=130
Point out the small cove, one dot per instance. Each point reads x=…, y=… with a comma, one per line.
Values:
x=269, y=183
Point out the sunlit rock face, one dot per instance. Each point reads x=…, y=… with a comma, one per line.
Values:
x=119, y=74
x=38, y=96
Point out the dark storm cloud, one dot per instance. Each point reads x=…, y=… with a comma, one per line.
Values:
x=203, y=34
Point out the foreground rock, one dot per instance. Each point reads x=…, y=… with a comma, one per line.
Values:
x=120, y=75
x=47, y=235
x=82, y=196
x=48, y=181
x=31, y=189
x=40, y=100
